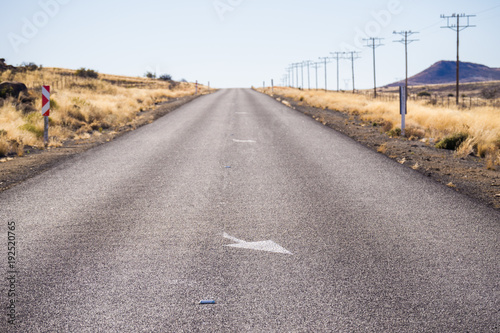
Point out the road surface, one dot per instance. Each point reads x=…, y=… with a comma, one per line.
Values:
x=287, y=225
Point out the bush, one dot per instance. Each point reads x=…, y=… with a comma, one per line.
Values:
x=489, y=93
x=424, y=94
x=6, y=91
x=165, y=77
x=31, y=66
x=90, y=73
x=394, y=132
x=452, y=142
x=150, y=75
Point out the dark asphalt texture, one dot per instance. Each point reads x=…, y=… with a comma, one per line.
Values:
x=128, y=237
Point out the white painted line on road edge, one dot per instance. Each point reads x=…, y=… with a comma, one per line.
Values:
x=241, y=112
x=244, y=141
x=268, y=245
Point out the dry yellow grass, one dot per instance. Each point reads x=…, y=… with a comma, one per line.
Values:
x=80, y=107
x=482, y=124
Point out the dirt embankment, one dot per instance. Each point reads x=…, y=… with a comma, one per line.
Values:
x=467, y=175
x=14, y=170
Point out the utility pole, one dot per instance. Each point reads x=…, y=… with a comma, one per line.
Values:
x=457, y=27
x=308, y=62
x=375, y=42
x=337, y=56
x=353, y=55
x=326, y=79
x=406, y=41
x=294, y=78
x=302, y=74
x=296, y=65
x=316, y=65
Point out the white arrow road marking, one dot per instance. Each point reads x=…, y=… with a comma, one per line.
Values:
x=244, y=141
x=268, y=245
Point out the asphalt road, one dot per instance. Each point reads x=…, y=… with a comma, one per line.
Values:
x=326, y=235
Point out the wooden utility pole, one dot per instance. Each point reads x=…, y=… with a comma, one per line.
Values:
x=336, y=56
x=326, y=61
x=457, y=27
x=375, y=42
x=406, y=41
x=352, y=55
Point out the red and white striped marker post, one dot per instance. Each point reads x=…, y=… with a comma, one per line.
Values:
x=46, y=112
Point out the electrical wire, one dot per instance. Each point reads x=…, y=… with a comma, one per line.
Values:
x=487, y=10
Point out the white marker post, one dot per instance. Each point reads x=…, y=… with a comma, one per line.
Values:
x=196, y=92
x=46, y=113
x=402, y=107
x=272, y=87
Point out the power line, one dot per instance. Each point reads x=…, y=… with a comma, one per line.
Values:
x=375, y=42
x=487, y=10
x=457, y=27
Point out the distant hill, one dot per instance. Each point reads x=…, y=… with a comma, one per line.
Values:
x=443, y=72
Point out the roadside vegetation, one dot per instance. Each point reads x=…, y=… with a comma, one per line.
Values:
x=467, y=131
x=84, y=103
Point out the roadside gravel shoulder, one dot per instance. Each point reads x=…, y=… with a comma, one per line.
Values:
x=467, y=175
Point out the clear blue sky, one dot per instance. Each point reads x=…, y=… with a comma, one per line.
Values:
x=239, y=43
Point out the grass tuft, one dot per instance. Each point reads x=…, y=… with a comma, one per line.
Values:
x=4, y=146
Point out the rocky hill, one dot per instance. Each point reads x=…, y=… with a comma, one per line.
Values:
x=443, y=72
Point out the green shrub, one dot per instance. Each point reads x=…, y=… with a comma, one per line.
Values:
x=394, y=132
x=6, y=91
x=53, y=104
x=30, y=126
x=424, y=94
x=452, y=142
